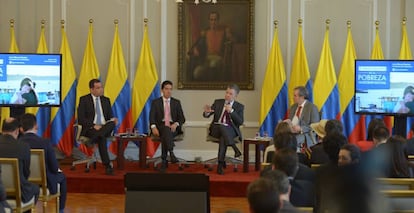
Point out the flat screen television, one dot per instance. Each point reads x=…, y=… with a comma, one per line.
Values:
x=30, y=79
x=384, y=87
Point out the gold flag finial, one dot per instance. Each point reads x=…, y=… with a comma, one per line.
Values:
x=404, y=20
x=62, y=23
x=42, y=22
x=348, y=24
x=145, y=21
x=116, y=21
x=275, y=23
x=377, y=24
x=11, y=22
x=90, y=21
x=328, y=21
x=300, y=21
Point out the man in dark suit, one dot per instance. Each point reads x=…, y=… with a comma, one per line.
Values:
x=228, y=116
x=302, y=113
x=166, y=120
x=95, y=116
x=54, y=175
x=11, y=148
x=302, y=190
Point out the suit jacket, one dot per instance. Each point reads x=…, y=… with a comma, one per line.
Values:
x=11, y=148
x=176, y=112
x=302, y=193
x=36, y=142
x=287, y=207
x=309, y=115
x=236, y=117
x=86, y=111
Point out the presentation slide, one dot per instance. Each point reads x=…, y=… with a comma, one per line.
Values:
x=30, y=79
x=384, y=86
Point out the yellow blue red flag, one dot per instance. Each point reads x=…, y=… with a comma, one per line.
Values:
x=325, y=84
x=354, y=125
x=145, y=88
x=300, y=75
x=273, y=104
x=119, y=92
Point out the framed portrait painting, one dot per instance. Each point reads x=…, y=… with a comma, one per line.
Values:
x=215, y=44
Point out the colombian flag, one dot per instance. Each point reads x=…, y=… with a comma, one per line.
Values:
x=325, y=86
x=145, y=89
x=273, y=104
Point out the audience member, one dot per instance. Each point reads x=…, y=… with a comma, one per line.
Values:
x=399, y=165
x=376, y=160
x=366, y=145
x=302, y=191
x=348, y=154
x=288, y=140
x=281, y=181
x=263, y=196
x=318, y=155
x=228, y=116
x=166, y=120
x=346, y=189
x=11, y=148
x=332, y=143
x=55, y=178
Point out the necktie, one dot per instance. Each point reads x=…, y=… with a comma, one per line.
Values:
x=98, y=111
x=167, y=116
x=298, y=111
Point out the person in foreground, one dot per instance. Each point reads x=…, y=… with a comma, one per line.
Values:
x=228, y=116
x=281, y=181
x=166, y=120
x=263, y=196
x=55, y=178
x=95, y=116
x=11, y=148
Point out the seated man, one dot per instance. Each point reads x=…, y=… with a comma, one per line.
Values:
x=53, y=173
x=11, y=148
x=166, y=119
x=228, y=116
x=95, y=116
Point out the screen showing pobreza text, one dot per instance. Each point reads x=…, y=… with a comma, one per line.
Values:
x=384, y=86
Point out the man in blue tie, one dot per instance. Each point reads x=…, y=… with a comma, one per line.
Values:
x=95, y=116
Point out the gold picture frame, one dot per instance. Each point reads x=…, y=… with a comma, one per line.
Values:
x=215, y=44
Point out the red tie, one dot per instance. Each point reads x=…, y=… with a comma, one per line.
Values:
x=298, y=111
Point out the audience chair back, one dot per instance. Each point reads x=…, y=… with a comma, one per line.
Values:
x=11, y=180
x=38, y=176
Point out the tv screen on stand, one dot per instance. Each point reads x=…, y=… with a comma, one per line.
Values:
x=30, y=79
x=384, y=87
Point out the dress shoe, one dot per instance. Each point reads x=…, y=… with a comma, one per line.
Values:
x=220, y=169
x=237, y=153
x=173, y=159
x=109, y=170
